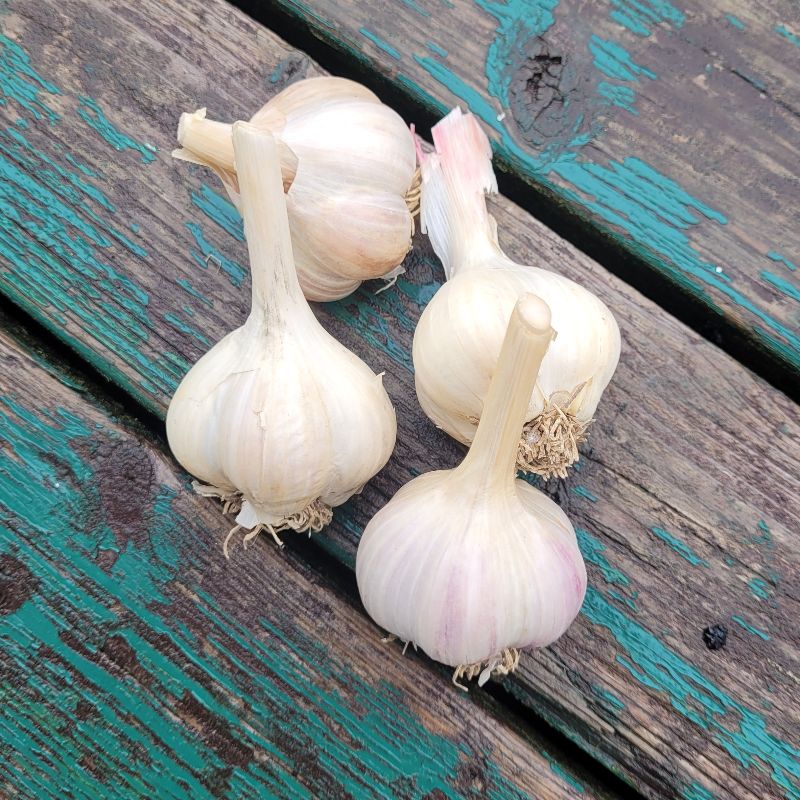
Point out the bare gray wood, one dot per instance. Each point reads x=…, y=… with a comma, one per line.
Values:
x=689, y=455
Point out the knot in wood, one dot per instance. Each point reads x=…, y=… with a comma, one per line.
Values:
x=546, y=97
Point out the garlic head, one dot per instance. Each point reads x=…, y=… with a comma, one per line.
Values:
x=279, y=411
x=472, y=564
x=348, y=165
x=459, y=335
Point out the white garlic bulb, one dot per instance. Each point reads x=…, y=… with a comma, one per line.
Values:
x=471, y=564
x=279, y=410
x=458, y=338
x=349, y=169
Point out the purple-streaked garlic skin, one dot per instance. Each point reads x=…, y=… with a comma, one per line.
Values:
x=472, y=564
x=464, y=578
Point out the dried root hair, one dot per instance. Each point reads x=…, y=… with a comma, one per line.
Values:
x=313, y=518
x=231, y=501
x=502, y=664
x=549, y=443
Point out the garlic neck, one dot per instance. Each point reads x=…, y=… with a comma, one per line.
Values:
x=277, y=297
x=490, y=463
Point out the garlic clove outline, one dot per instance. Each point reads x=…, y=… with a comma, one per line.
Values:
x=472, y=564
x=279, y=411
x=348, y=165
x=460, y=332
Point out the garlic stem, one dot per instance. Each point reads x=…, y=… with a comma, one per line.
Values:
x=493, y=454
x=206, y=139
x=276, y=290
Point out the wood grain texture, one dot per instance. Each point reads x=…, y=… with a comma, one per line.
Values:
x=690, y=453
x=135, y=662
x=670, y=129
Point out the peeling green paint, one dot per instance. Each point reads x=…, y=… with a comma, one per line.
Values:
x=412, y=4
x=776, y=257
x=750, y=628
x=782, y=285
x=739, y=730
x=592, y=551
x=786, y=34
x=637, y=15
x=15, y=68
x=119, y=141
x=182, y=326
x=361, y=313
x=738, y=23
x=210, y=255
x=563, y=775
x=221, y=211
x=679, y=547
x=608, y=698
x=615, y=61
x=620, y=96
x=186, y=286
x=758, y=588
x=437, y=50
x=697, y=792
x=582, y=491
x=379, y=43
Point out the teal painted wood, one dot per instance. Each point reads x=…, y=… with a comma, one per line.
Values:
x=670, y=129
x=135, y=662
x=686, y=440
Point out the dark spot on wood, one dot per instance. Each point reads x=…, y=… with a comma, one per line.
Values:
x=470, y=777
x=17, y=584
x=715, y=636
x=125, y=479
x=218, y=782
x=436, y=794
x=117, y=650
x=214, y=731
x=83, y=710
x=105, y=559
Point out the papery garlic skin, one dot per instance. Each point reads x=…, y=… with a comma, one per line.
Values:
x=459, y=335
x=348, y=164
x=471, y=564
x=279, y=410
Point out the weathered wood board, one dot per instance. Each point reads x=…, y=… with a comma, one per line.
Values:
x=694, y=462
x=136, y=662
x=673, y=128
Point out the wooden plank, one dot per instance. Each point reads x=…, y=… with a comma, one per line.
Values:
x=667, y=135
x=136, y=662
x=689, y=455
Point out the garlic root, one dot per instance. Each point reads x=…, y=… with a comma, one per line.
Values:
x=313, y=518
x=502, y=664
x=549, y=443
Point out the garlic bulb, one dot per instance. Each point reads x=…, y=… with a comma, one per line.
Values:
x=471, y=564
x=279, y=410
x=458, y=338
x=348, y=166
